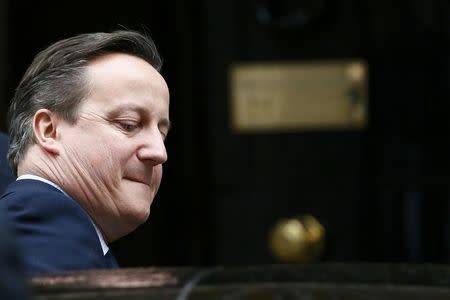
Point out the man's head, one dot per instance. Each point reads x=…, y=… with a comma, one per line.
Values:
x=91, y=114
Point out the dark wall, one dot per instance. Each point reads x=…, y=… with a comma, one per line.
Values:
x=381, y=193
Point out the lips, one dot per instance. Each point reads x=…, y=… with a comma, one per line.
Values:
x=138, y=174
x=138, y=179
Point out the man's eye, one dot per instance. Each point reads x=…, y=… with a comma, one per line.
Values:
x=128, y=126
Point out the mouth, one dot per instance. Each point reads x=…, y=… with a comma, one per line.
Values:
x=138, y=180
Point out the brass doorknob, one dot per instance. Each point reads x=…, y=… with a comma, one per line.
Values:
x=300, y=239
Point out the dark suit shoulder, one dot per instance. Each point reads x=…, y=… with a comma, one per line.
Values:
x=38, y=198
x=54, y=233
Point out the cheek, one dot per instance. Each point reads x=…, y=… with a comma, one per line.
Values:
x=111, y=162
x=97, y=159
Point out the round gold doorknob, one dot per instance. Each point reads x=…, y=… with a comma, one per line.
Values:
x=300, y=239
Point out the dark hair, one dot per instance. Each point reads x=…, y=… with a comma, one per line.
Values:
x=56, y=80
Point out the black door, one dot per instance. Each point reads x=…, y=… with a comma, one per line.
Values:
x=381, y=193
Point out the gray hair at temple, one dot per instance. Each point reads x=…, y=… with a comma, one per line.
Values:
x=56, y=80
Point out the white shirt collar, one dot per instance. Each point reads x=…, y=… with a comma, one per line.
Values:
x=105, y=247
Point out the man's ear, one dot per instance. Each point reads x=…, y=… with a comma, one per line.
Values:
x=45, y=125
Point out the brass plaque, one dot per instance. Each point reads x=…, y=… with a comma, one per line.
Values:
x=299, y=96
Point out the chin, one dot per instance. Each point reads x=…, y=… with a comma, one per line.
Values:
x=143, y=216
x=136, y=206
x=140, y=215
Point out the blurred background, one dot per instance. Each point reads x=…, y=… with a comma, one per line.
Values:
x=378, y=187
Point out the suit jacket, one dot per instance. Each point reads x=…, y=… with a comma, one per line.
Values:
x=53, y=232
x=12, y=278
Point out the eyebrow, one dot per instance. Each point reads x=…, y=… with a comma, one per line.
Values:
x=143, y=111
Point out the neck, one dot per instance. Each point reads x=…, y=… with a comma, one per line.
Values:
x=43, y=164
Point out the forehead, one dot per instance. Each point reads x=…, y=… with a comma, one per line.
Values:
x=118, y=78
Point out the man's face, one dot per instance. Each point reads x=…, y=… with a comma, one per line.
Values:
x=112, y=156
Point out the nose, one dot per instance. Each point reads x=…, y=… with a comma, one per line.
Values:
x=152, y=148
